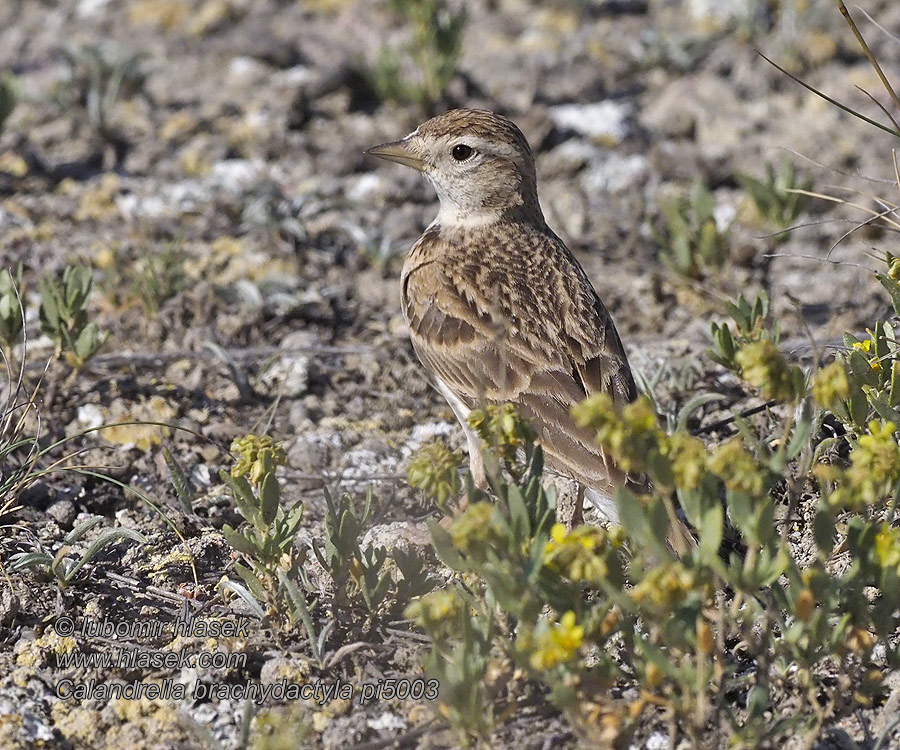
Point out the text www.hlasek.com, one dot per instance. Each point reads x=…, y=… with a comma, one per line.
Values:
x=139, y=659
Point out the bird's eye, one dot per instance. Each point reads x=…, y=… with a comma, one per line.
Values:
x=461, y=152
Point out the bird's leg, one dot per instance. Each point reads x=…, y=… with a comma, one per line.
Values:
x=578, y=516
x=476, y=461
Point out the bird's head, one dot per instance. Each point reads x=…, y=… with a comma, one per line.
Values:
x=479, y=163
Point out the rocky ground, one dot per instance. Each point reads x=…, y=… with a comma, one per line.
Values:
x=247, y=255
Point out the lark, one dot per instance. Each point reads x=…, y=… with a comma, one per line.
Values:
x=498, y=308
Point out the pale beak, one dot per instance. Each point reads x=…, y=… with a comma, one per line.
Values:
x=400, y=152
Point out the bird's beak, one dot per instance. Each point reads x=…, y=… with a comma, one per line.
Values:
x=400, y=152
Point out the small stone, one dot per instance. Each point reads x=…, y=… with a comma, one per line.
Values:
x=403, y=534
x=9, y=606
x=63, y=512
x=606, y=122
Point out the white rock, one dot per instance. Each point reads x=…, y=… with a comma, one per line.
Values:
x=656, y=741
x=236, y=175
x=607, y=120
x=299, y=75
x=402, y=534
x=287, y=376
x=723, y=11
x=87, y=8
x=387, y=721
x=90, y=416
x=365, y=187
x=616, y=174
x=724, y=214
x=241, y=68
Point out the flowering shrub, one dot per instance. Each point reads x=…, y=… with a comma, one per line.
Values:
x=613, y=624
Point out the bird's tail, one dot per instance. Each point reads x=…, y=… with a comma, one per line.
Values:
x=604, y=504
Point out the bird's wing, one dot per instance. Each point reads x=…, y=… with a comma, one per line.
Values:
x=530, y=330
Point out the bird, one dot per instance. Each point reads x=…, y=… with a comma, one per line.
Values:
x=499, y=309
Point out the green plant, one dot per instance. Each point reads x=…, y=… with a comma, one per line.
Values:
x=435, y=471
x=751, y=350
x=779, y=197
x=99, y=76
x=690, y=241
x=751, y=327
x=12, y=315
x=435, y=42
x=158, y=276
x=181, y=482
x=64, y=314
x=7, y=97
x=356, y=572
x=583, y=611
x=266, y=541
x=62, y=566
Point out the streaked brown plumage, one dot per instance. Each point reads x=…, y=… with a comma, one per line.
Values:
x=498, y=307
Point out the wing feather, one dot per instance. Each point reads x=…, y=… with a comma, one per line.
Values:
x=527, y=328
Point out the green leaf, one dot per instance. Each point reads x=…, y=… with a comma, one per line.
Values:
x=184, y=488
x=800, y=438
x=106, y=538
x=88, y=342
x=823, y=530
x=443, y=546
x=243, y=497
x=859, y=408
x=740, y=506
x=647, y=529
x=31, y=561
x=758, y=700
x=711, y=532
x=238, y=541
x=893, y=288
x=886, y=412
x=252, y=580
x=269, y=498
x=81, y=529
x=861, y=368
x=518, y=513
x=245, y=596
x=302, y=612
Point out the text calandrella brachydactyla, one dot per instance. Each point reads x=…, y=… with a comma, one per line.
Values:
x=282, y=690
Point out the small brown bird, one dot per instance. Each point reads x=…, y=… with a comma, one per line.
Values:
x=498, y=307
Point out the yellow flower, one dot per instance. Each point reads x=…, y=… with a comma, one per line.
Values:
x=706, y=640
x=435, y=471
x=866, y=348
x=664, y=587
x=558, y=644
x=875, y=464
x=764, y=367
x=830, y=385
x=473, y=531
x=579, y=554
x=805, y=605
x=630, y=437
x=738, y=468
x=887, y=546
x=436, y=607
x=688, y=457
x=258, y=456
x=502, y=429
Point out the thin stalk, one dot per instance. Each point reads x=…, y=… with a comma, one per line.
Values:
x=868, y=52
